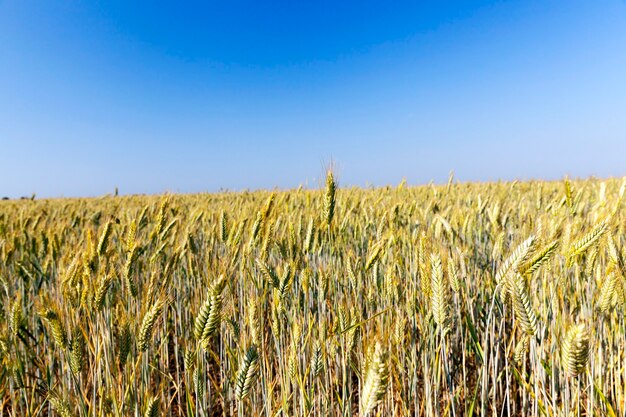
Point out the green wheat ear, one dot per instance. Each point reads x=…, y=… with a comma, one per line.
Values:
x=131, y=258
x=317, y=360
x=210, y=315
x=152, y=407
x=376, y=251
x=268, y=273
x=16, y=317
x=101, y=291
x=60, y=405
x=104, y=239
x=147, y=325
x=77, y=351
x=575, y=350
x=329, y=198
x=58, y=330
x=521, y=348
x=248, y=372
x=223, y=227
x=123, y=341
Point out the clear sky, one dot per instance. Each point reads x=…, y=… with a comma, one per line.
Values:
x=187, y=97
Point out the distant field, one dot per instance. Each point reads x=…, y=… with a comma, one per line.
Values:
x=455, y=300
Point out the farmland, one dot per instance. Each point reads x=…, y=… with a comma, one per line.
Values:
x=457, y=299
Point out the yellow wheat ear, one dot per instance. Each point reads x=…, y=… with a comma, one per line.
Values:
x=521, y=348
x=608, y=292
x=60, y=405
x=588, y=240
x=575, y=350
x=518, y=257
x=522, y=305
x=439, y=301
x=376, y=381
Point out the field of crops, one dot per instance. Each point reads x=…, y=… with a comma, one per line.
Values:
x=462, y=299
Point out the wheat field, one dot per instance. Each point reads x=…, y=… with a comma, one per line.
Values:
x=461, y=299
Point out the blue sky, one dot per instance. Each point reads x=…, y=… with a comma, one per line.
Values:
x=188, y=97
